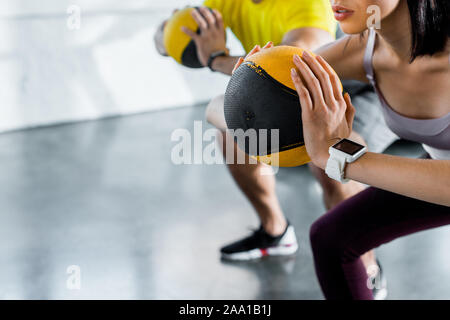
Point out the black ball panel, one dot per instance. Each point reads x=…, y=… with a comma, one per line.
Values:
x=189, y=58
x=254, y=100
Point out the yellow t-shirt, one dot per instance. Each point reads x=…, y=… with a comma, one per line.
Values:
x=270, y=20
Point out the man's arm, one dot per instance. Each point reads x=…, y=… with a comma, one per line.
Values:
x=307, y=38
x=225, y=64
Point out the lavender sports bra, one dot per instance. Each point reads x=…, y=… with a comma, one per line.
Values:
x=434, y=134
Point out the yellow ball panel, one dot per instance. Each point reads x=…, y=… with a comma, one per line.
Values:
x=288, y=158
x=278, y=62
x=175, y=40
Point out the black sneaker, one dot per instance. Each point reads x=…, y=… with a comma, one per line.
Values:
x=378, y=282
x=260, y=244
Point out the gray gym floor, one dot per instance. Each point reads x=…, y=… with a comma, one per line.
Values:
x=106, y=197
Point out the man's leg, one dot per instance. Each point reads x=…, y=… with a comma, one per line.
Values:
x=260, y=191
x=258, y=188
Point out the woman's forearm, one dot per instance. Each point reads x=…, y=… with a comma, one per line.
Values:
x=327, y=114
x=423, y=179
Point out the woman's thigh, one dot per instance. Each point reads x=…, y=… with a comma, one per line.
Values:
x=374, y=217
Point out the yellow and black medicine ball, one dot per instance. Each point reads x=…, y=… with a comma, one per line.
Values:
x=178, y=44
x=261, y=95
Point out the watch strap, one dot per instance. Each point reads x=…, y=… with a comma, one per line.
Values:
x=213, y=56
x=338, y=159
x=335, y=168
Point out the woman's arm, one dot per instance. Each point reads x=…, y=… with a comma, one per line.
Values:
x=423, y=179
x=346, y=57
x=327, y=116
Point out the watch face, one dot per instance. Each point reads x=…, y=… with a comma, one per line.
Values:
x=348, y=146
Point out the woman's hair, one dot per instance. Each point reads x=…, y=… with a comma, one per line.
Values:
x=430, y=22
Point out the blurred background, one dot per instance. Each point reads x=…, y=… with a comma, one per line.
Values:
x=101, y=200
x=51, y=71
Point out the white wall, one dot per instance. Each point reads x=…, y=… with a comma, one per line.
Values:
x=51, y=74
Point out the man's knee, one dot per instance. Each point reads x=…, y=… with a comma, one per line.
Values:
x=329, y=186
x=215, y=113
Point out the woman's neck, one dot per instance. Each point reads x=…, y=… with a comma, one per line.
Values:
x=396, y=31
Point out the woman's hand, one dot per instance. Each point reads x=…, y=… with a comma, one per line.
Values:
x=255, y=49
x=327, y=115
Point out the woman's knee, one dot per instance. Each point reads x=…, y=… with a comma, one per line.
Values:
x=331, y=234
x=324, y=235
x=317, y=233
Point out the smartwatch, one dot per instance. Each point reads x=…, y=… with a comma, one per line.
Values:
x=341, y=153
x=214, y=55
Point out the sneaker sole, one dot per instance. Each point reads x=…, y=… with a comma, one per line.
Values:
x=254, y=254
x=381, y=294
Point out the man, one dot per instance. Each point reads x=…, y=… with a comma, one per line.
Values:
x=308, y=24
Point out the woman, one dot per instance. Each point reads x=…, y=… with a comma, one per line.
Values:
x=408, y=62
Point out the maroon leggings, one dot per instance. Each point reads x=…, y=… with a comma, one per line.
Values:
x=359, y=224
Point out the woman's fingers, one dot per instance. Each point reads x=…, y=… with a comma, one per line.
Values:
x=208, y=16
x=323, y=77
x=350, y=111
x=199, y=19
x=255, y=49
x=305, y=99
x=238, y=63
x=310, y=81
x=268, y=45
x=335, y=82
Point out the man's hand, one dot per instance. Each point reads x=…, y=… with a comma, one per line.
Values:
x=159, y=39
x=212, y=33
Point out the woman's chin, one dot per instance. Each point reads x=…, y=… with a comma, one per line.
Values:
x=352, y=28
